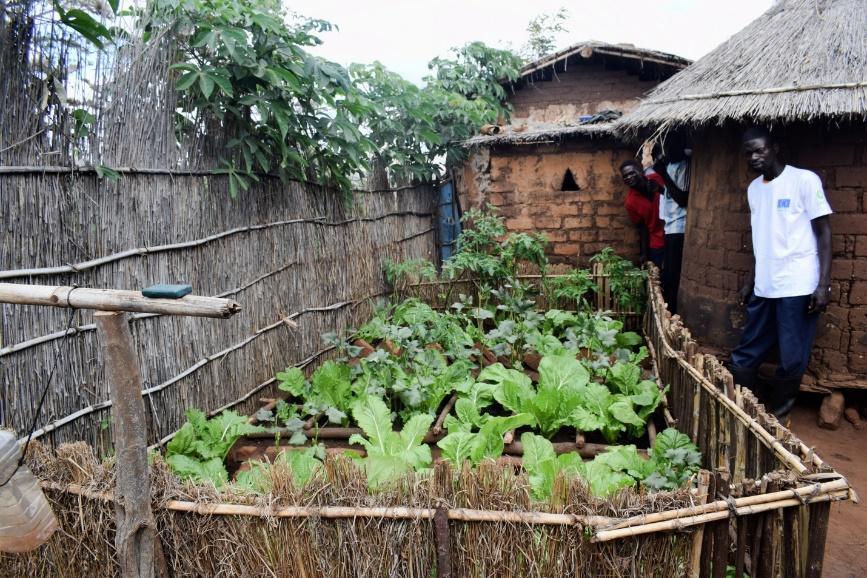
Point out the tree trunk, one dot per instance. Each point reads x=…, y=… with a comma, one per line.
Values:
x=377, y=180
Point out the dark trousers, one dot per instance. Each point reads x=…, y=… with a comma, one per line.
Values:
x=782, y=322
x=657, y=257
x=671, y=269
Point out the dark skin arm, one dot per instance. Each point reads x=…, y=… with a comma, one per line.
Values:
x=644, y=236
x=819, y=298
x=749, y=283
x=680, y=197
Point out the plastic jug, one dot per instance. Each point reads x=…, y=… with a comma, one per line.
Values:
x=26, y=518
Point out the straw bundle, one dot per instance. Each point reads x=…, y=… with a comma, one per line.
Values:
x=799, y=61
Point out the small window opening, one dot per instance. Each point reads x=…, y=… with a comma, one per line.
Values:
x=569, y=183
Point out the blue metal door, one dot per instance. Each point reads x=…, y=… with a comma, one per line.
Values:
x=449, y=220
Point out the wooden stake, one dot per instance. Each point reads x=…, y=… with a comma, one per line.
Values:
x=721, y=529
x=138, y=548
x=817, y=532
x=443, y=541
x=698, y=536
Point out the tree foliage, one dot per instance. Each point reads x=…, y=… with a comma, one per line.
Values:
x=542, y=33
x=245, y=65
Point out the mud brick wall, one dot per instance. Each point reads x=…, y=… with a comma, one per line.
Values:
x=584, y=88
x=524, y=183
x=719, y=243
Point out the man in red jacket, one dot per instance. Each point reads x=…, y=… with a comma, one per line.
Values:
x=642, y=204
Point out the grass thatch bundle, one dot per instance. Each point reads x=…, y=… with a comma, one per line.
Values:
x=799, y=61
x=267, y=545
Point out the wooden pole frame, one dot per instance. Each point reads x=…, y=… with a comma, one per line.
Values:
x=139, y=551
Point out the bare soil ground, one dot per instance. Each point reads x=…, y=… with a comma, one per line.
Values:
x=846, y=548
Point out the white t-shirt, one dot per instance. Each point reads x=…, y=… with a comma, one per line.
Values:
x=787, y=258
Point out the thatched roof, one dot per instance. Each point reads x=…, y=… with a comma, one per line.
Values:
x=800, y=60
x=540, y=134
x=670, y=63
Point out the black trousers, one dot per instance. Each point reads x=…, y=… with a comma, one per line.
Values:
x=671, y=269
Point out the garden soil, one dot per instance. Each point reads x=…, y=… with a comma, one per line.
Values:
x=846, y=548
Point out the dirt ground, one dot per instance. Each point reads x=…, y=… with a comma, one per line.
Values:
x=846, y=548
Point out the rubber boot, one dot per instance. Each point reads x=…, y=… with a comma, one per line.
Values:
x=746, y=377
x=783, y=394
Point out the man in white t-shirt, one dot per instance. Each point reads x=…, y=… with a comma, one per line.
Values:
x=789, y=284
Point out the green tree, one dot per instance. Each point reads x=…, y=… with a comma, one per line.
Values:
x=542, y=33
x=243, y=64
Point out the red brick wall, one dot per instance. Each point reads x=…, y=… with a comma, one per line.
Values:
x=585, y=88
x=718, y=241
x=524, y=183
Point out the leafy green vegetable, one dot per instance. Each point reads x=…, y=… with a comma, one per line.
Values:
x=673, y=460
x=389, y=454
x=462, y=445
x=552, y=402
x=198, y=449
x=676, y=458
x=301, y=465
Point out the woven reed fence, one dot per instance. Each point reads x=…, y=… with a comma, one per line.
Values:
x=299, y=259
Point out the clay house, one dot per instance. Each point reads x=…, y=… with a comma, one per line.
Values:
x=555, y=167
x=801, y=69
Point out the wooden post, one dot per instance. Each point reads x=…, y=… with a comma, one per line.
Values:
x=721, y=528
x=136, y=540
x=817, y=532
x=443, y=543
x=695, y=556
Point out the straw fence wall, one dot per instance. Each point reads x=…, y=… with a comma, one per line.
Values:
x=306, y=267
x=299, y=259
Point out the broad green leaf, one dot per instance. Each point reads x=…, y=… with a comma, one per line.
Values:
x=415, y=429
x=291, y=380
x=206, y=84
x=536, y=449
x=187, y=80
x=626, y=459
x=457, y=447
x=670, y=439
x=623, y=412
x=562, y=372
x=374, y=418
x=604, y=481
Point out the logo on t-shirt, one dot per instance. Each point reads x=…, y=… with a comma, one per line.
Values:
x=783, y=203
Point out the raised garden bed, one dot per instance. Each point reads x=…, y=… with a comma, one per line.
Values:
x=407, y=503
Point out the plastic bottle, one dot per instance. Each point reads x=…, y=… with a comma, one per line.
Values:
x=26, y=518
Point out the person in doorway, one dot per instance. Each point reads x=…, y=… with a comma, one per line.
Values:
x=788, y=285
x=671, y=163
x=642, y=204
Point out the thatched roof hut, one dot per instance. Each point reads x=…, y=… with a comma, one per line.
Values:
x=802, y=60
x=800, y=67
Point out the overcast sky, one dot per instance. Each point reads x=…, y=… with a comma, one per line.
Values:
x=405, y=34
